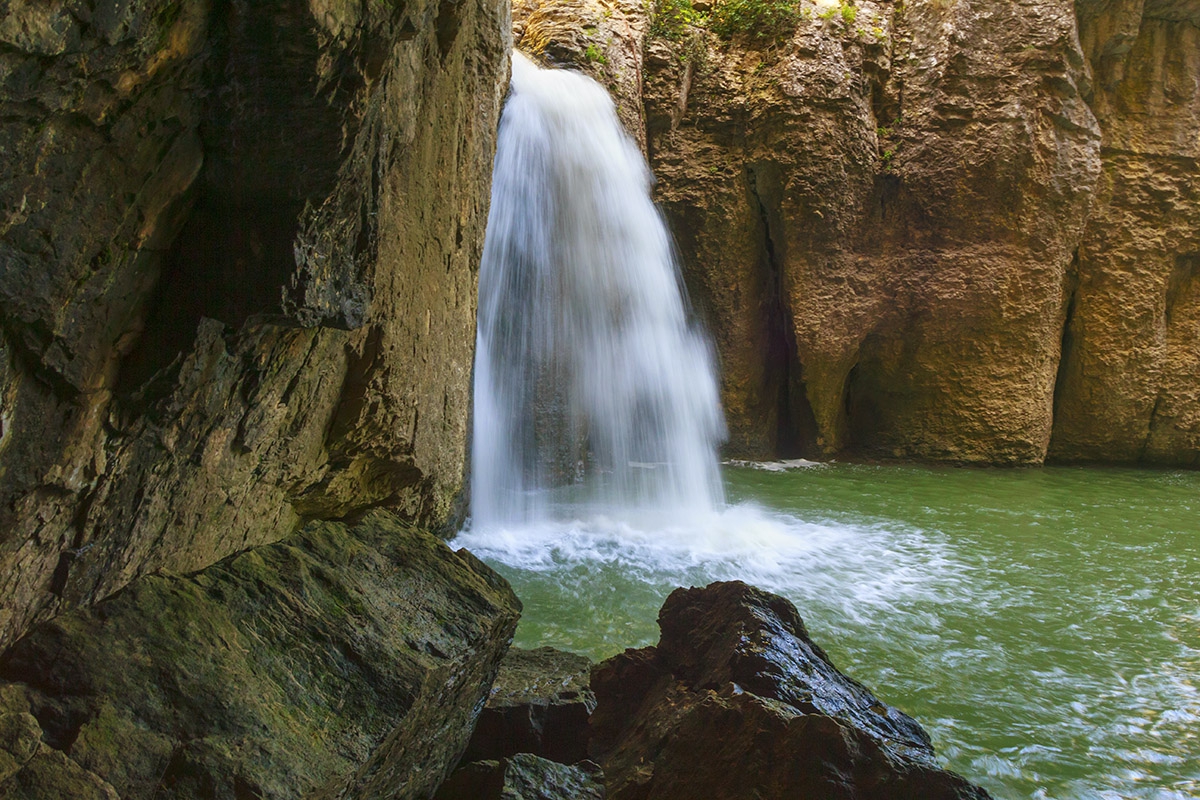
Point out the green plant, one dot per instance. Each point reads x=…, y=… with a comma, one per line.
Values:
x=670, y=19
x=759, y=19
x=847, y=12
x=595, y=54
x=888, y=156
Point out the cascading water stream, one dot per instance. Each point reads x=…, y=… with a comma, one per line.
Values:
x=585, y=358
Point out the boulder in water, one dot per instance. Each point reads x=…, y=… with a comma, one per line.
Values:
x=736, y=701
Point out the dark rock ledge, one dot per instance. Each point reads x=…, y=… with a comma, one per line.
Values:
x=735, y=702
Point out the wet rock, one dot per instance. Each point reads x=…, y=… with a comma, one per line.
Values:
x=524, y=777
x=737, y=702
x=539, y=704
x=347, y=659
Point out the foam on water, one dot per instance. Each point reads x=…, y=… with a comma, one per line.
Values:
x=868, y=572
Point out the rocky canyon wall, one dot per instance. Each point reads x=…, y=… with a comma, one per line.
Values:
x=938, y=229
x=237, y=275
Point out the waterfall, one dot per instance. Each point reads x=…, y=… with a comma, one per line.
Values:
x=588, y=373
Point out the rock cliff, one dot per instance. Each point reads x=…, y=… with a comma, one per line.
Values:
x=237, y=275
x=944, y=229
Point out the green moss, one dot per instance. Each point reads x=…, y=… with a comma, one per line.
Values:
x=671, y=19
x=758, y=19
x=594, y=54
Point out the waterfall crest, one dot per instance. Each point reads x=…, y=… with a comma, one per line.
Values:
x=585, y=359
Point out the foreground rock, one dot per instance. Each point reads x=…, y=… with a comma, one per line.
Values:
x=349, y=660
x=524, y=777
x=737, y=702
x=539, y=704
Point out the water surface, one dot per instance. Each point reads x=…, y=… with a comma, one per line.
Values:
x=1043, y=625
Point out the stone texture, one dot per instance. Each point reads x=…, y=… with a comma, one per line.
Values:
x=171, y=170
x=1129, y=388
x=524, y=777
x=942, y=230
x=878, y=217
x=349, y=658
x=737, y=702
x=539, y=704
x=604, y=39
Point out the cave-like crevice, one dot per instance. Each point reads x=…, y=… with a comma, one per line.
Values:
x=1066, y=352
x=272, y=145
x=795, y=432
x=860, y=405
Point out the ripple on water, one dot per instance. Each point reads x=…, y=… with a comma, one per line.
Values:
x=1048, y=660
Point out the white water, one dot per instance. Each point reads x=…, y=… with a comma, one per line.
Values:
x=585, y=359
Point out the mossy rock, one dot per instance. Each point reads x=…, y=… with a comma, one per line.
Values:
x=342, y=656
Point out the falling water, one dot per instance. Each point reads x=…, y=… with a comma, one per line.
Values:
x=585, y=361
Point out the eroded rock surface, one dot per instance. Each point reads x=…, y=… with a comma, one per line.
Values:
x=348, y=659
x=172, y=170
x=1129, y=387
x=737, y=702
x=886, y=207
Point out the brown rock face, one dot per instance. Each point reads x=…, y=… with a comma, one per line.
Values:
x=878, y=216
x=1129, y=387
x=737, y=702
x=171, y=169
x=945, y=230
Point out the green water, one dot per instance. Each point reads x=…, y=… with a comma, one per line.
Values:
x=1043, y=625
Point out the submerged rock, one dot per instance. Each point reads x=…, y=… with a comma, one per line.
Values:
x=350, y=660
x=524, y=777
x=736, y=701
x=539, y=704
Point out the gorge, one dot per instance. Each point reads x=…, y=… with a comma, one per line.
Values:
x=240, y=248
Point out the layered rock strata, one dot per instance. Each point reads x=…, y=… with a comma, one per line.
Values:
x=238, y=276
x=342, y=662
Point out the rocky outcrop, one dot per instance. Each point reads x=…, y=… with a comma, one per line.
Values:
x=539, y=704
x=1128, y=388
x=737, y=702
x=879, y=215
x=172, y=169
x=524, y=777
x=350, y=660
